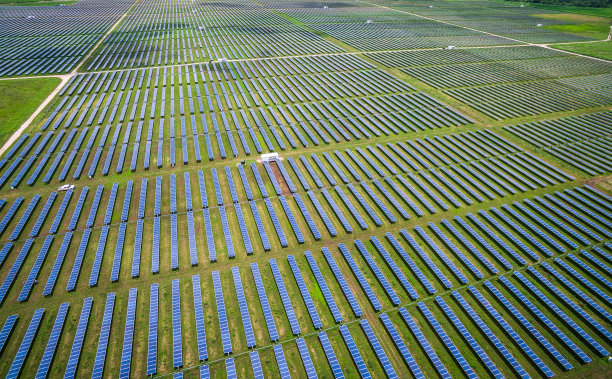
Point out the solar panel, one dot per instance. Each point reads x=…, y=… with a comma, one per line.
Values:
x=223, y=324
x=10, y=213
x=174, y=259
x=229, y=244
x=401, y=346
x=282, y=290
x=351, y=207
x=355, y=354
x=10, y=277
x=94, y=206
x=230, y=369
x=26, y=343
x=77, y=210
x=265, y=305
x=177, y=343
x=395, y=268
x=77, y=345
x=376, y=346
x=244, y=309
x=118, y=253
x=491, y=336
x=210, y=239
x=312, y=310
x=6, y=330
x=158, y=194
x=275, y=221
x=283, y=368
x=545, y=320
x=377, y=272
x=100, y=359
x=203, y=196
x=29, y=282
x=78, y=261
x=142, y=203
x=173, y=207
x=256, y=364
x=527, y=325
x=571, y=304
x=111, y=204
x=306, y=360
x=511, y=332
x=199, y=318
x=128, y=335
x=292, y=221
x=432, y=245
x=56, y=331
x=43, y=215
x=60, y=212
x=365, y=286
x=329, y=299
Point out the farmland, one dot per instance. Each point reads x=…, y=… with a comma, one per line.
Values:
x=440, y=205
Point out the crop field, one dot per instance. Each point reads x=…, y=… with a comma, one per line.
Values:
x=440, y=205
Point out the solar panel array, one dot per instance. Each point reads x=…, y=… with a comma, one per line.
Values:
x=427, y=245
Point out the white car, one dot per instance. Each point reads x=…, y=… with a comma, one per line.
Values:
x=66, y=187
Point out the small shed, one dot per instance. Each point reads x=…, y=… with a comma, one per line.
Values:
x=269, y=157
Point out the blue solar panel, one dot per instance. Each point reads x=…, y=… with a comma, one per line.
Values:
x=331, y=356
x=6, y=330
x=265, y=305
x=511, y=332
x=424, y=343
x=199, y=318
x=210, y=238
x=432, y=245
x=43, y=215
x=118, y=253
x=355, y=354
x=58, y=325
x=142, y=202
x=173, y=208
x=95, y=270
x=26, y=343
x=245, y=182
x=256, y=364
x=93, y=212
x=546, y=321
x=158, y=195
x=128, y=335
x=365, y=286
x=78, y=261
x=351, y=207
x=282, y=290
x=10, y=277
x=587, y=283
x=111, y=204
x=312, y=310
x=482, y=242
x=77, y=210
x=174, y=258
x=283, y=368
x=527, y=325
x=329, y=299
x=244, y=309
x=395, y=268
x=376, y=346
x=570, y=303
x=202, y=183
x=275, y=221
x=77, y=345
x=377, y=272
x=153, y=324
x=260, y=226
x=401, y=346
x=229, y=244
x=577, y=292
x=223, y=324
x=306, y=360
x=363, y=204
x=499, y=345
x=29, y=282
x=306, y=214
x=10, y=213
x=24, y=218
x=177, y=339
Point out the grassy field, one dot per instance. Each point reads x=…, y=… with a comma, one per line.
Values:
x=592, y=11
x=601, y=50
x=18, y=99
